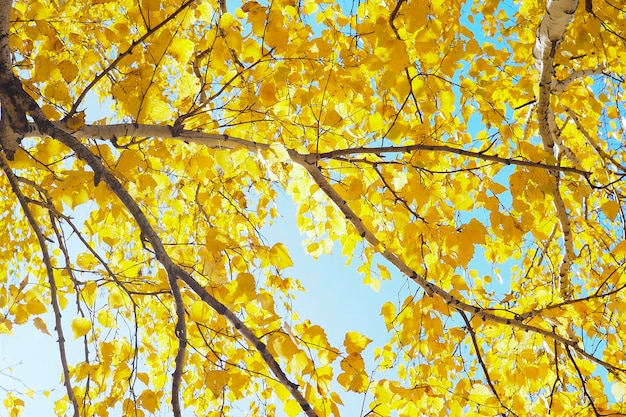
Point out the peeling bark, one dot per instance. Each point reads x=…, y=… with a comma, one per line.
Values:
x=559, y=14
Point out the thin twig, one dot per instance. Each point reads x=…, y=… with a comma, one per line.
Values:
x=582, y=381
x=470, y=329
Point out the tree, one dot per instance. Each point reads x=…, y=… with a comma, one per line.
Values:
x=429, y=139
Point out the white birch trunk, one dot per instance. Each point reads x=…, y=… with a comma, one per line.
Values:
x=559, y=14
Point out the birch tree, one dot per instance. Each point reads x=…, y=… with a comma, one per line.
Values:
x=450, y=144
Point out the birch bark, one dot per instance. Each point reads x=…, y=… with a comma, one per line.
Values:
x=559, y=15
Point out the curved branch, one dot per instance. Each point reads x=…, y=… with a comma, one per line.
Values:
x=448, y=149
x=181, y=333
x=583, y=383
x=559, y=14
x=245, y=331
x=50, y=273
x=592, y=142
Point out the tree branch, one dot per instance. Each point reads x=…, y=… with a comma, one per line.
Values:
x=221, y=141
x=559, y=86
x=559, y=14
x=50, y=273
x=430, y=288
x=5, y=28
x=13, y=123
x=592, y=141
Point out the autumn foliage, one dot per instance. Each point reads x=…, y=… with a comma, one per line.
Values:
x=474, y=149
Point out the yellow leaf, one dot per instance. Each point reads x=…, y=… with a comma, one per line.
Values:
x=310, y=7
x=41, y=325
x=182, y=49
x=143, y=377
x=188, y=85
x=301, y=364
x=314, y=334
x=479, y=393
x=89, y=293
x=388, y=311
x=151, y=5
x=107, y=319
x=80, y=327
x=619, y=249
x=216, y=381
x=353, y=378
x=446, y=101
x=355, y=342
x=228, y=20
x=281, y=344
x=619, y=390
x=292, y=408
x=116, y=299
x=6, y=326
x=376, y=122
x=331, y=118
x=277, y=36
x=279, y=256
x=69, y=70
x=156, y=109
x=224, y=160
x=77, y=121
x=148, y=400
x=199, y=311
x=610, y=209
x=458, y=283
x=267, y=94
x=204, y=12
x=35, y=306
x=245, y=289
